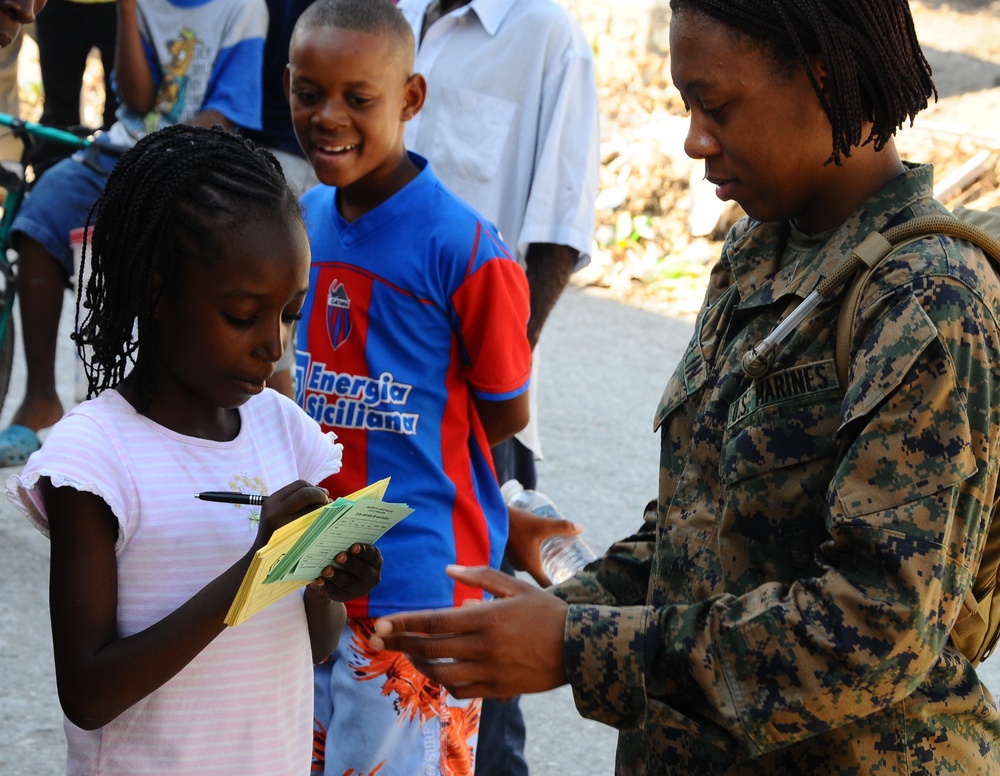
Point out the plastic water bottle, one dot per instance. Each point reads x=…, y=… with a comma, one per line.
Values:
x=562, y=556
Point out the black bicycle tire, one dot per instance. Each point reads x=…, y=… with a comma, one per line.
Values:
x=6, y=353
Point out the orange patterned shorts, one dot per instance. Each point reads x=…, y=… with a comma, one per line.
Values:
x=374, y=713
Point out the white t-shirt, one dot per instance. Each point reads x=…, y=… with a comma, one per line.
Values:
x=244, y=704
x=202, y=55
x=510, y=123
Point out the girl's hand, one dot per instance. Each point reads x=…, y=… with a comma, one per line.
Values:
x=285, y=505
x=360, y=569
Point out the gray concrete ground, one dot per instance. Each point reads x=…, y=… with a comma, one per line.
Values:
x=603, y=368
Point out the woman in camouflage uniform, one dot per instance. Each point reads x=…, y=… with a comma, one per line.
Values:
x=787, y=607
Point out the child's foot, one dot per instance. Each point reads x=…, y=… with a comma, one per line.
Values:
x=20, y=439
x=17, y=443
x=38, y=411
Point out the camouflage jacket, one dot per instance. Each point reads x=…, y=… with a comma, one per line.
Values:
x=789, y=610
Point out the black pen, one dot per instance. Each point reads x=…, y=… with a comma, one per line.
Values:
x=232, y=498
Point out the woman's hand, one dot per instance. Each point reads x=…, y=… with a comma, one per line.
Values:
x=500, y=648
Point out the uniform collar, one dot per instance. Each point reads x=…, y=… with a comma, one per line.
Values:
x=754, y=252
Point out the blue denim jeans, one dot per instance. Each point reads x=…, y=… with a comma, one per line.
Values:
x=501, y=739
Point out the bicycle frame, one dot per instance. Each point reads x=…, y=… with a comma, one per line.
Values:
x=17, y=187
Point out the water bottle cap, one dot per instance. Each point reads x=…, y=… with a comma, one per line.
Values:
x=510, y=489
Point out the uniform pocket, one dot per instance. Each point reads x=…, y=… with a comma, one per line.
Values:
x=778, y=458
x=782, y=420
x=470, y=143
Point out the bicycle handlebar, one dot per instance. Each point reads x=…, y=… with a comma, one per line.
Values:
x=19, y=127
x=40, y=130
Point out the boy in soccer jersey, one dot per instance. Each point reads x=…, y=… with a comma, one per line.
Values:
x=413, y=348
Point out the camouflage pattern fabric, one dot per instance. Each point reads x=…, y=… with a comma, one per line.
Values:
x=788, y=611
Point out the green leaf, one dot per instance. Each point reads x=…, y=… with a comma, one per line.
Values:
x=623, y=227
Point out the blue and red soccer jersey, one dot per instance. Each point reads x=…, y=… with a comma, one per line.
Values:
x=413, y=308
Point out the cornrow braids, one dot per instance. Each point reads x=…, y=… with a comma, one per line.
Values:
x=165, y=203
x=875, y=69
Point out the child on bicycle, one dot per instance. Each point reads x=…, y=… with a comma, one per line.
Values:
x=199, y=248
x=178, y=61
x=413, y=347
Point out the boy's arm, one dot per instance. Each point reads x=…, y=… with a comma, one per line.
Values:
x=326, y=620
x=132, y=76
x=502, y=419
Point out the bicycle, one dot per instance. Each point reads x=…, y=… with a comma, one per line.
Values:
x=16, y=184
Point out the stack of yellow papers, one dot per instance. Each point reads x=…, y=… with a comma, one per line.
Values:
x=361, y=517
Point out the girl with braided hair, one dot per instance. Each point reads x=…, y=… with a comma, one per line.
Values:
x=200, y=265
x=787, y=606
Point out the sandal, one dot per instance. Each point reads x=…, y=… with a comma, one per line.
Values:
x=17, y=443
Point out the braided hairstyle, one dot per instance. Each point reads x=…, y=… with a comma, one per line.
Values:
x=169, y=200
x=876, y=70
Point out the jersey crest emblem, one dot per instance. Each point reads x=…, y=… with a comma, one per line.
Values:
x=338, y=314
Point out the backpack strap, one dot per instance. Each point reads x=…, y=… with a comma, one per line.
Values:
x=977, y=629
x=970, y=225
x=866, y=256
